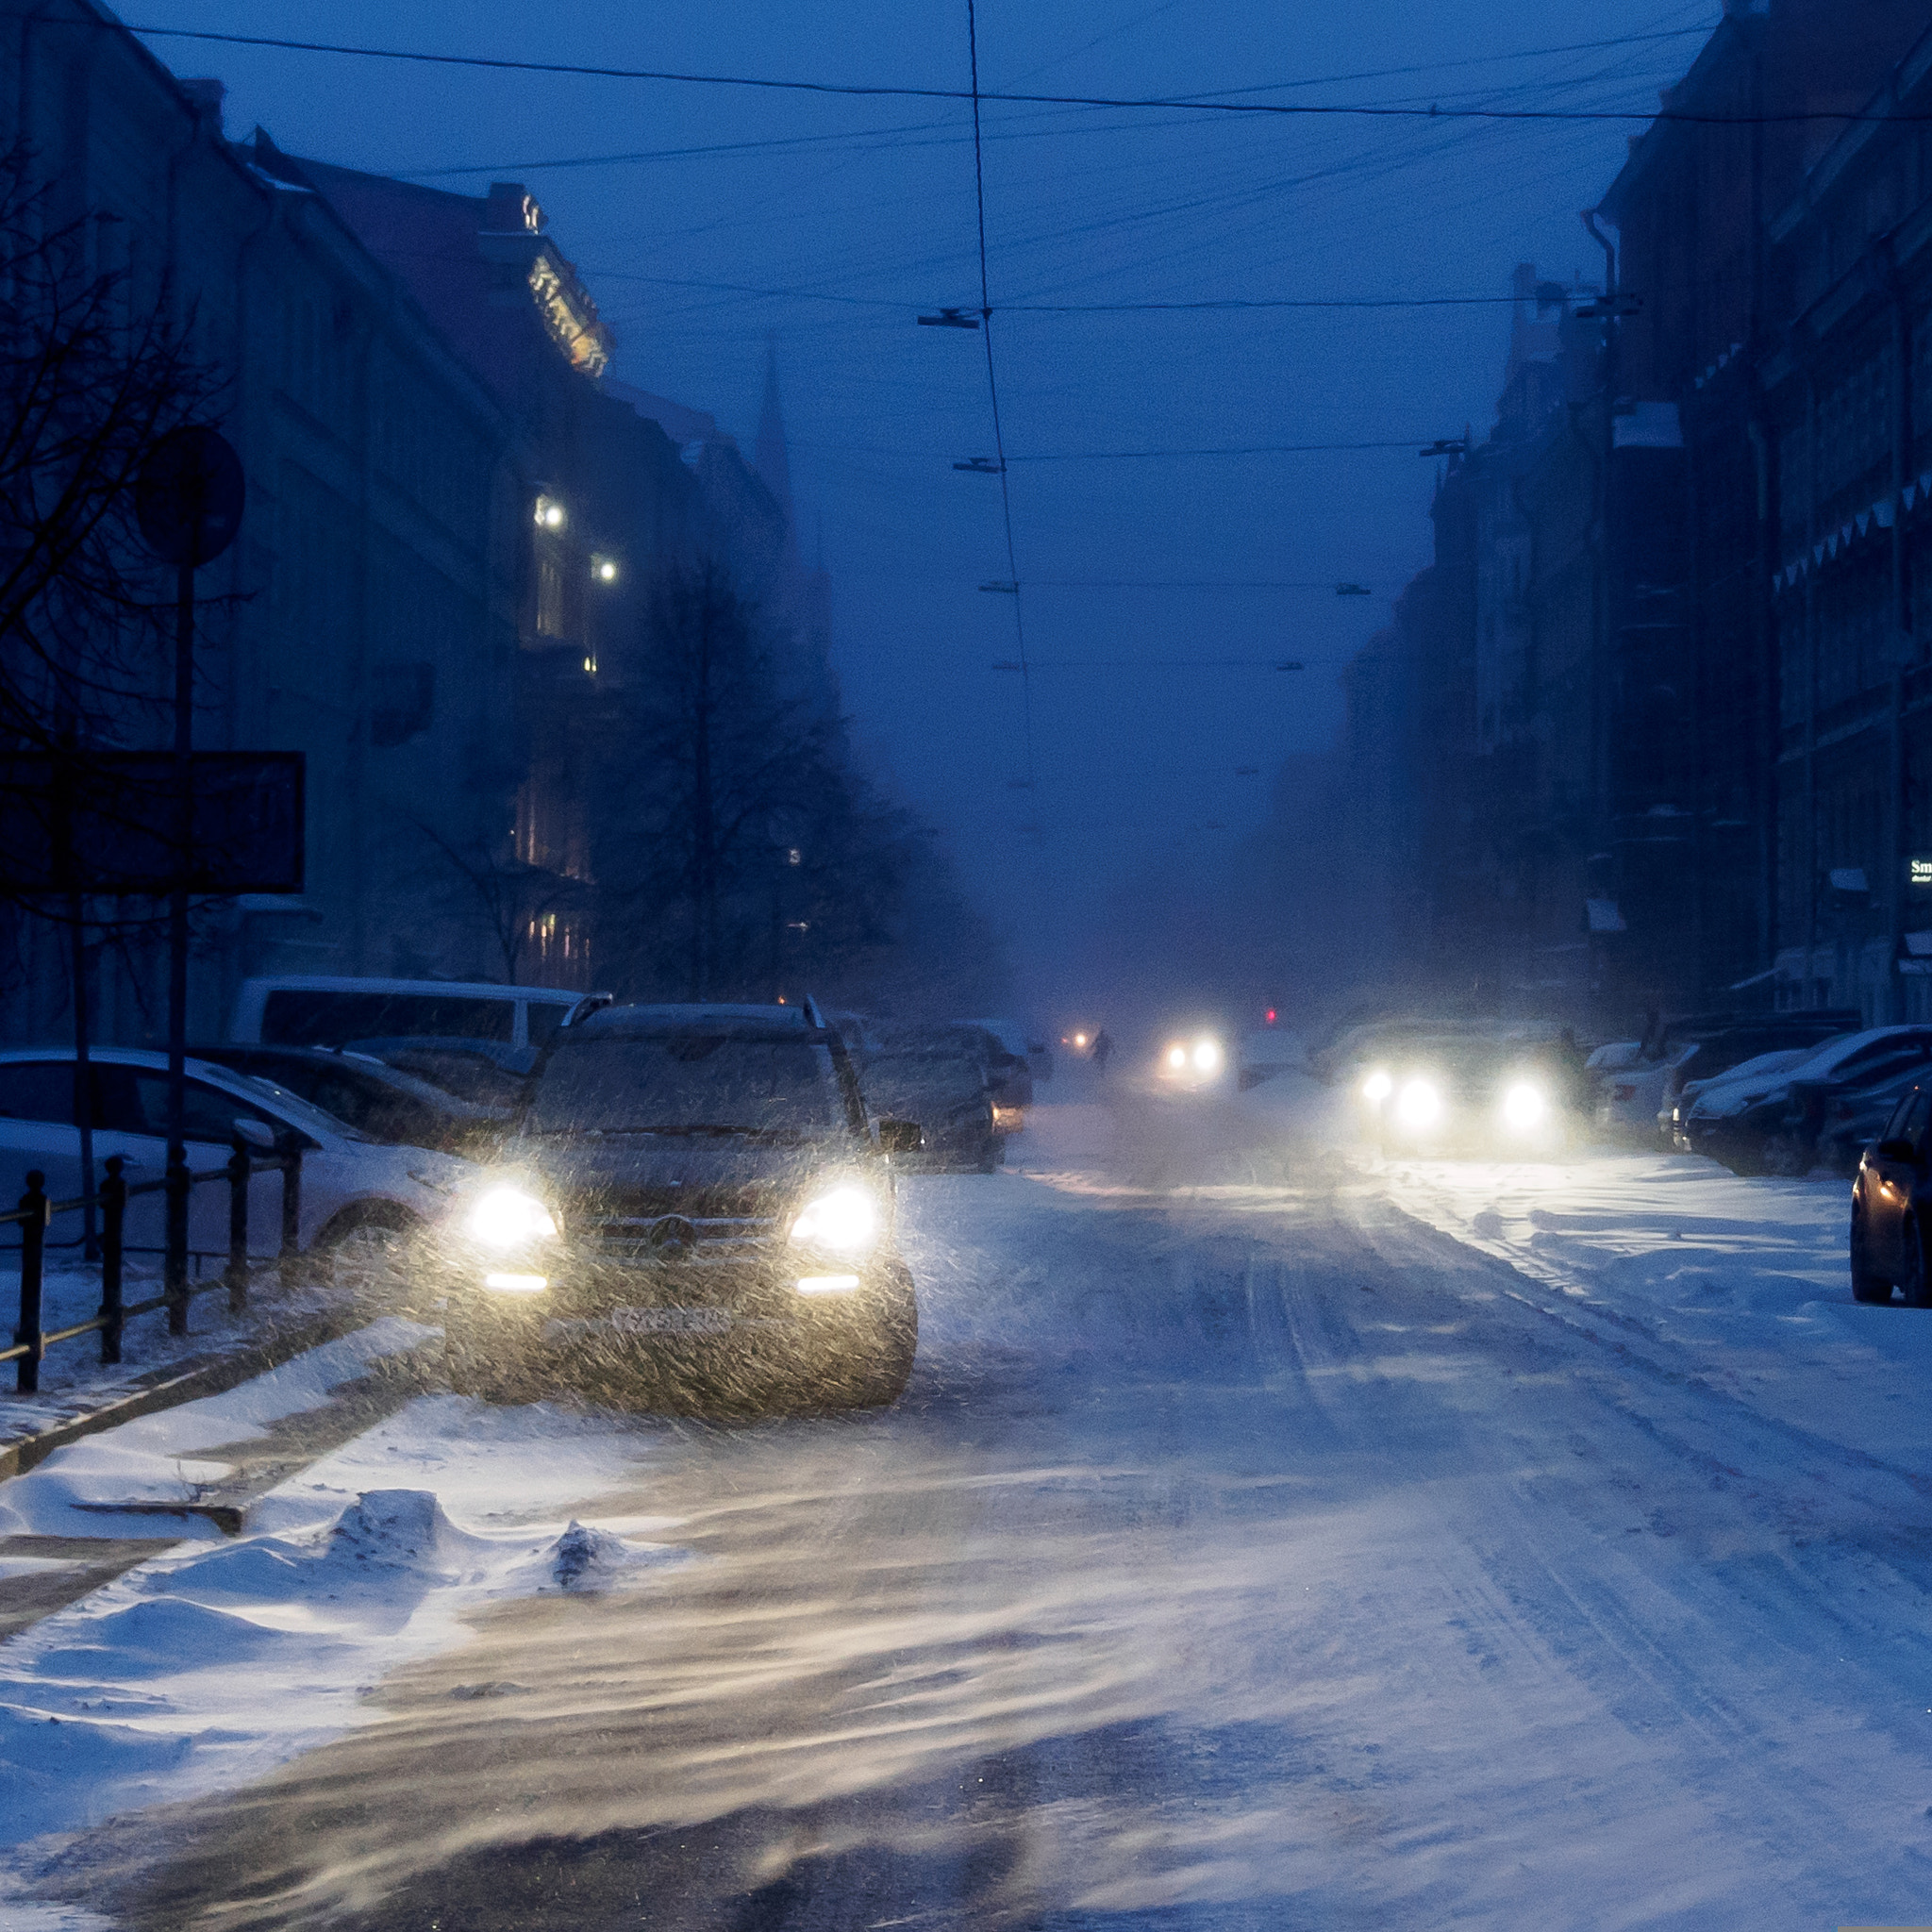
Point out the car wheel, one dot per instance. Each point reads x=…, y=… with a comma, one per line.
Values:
x=1912, y=1285
x=1866, y=1286
x=362, y=1250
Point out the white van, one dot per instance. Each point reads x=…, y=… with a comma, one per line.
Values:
x=320, y=1012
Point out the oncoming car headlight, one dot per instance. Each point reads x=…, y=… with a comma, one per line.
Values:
x=1418, y=1105
x=1523, y=1105
x=1207, y=1055
x=1377, y=1087
x=1176, y=1057
x=846, y=1220
x=507, y=1217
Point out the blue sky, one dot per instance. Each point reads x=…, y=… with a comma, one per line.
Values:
x=857, y=213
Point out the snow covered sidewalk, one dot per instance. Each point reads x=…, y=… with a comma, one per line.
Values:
x=217, y=1659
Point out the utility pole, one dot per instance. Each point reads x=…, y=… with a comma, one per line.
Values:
x=189, y=500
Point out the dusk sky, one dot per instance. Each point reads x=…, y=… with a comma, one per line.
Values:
x=709, y=220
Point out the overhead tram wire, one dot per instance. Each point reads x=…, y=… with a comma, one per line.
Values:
x=1375, y=111
x=994, y=393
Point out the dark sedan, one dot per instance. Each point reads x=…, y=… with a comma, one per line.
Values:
x=384, y=1102
x=950, y=1080
x=1891, y=1199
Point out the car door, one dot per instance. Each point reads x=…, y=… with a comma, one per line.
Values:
x=134, y=1124
x=1890, y=1185
x=37, y=1129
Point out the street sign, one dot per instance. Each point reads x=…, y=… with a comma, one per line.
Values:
x=1919, y=871
x=189, y=496
x=103, y=822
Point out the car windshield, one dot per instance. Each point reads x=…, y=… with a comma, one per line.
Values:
x=934, y=1075
x=694, y=1083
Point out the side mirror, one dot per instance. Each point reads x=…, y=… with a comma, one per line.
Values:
x=1901, y=1152
x=900, y=1136
x=258, y=1136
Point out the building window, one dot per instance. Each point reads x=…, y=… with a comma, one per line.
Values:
x=549, y=596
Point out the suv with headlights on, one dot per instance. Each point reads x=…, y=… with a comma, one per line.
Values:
x=1519, y=1089
x=694, y=1211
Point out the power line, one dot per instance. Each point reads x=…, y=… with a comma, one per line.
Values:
x=878, y=90
x=993, y=393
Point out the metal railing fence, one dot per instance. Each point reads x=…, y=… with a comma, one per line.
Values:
x=35, y=1213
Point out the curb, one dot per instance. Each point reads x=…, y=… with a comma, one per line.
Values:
x=211, y=1377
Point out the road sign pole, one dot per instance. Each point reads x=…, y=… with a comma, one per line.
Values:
x=175, y=1263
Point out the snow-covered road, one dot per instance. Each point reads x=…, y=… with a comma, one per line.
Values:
x=1248, y=1552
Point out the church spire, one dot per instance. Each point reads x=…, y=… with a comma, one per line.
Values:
x=772, y=462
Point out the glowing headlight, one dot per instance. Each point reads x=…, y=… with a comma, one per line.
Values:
x=506, y=1218
x=1378, y=1088
x=1207, y=1056
x=845, y=1221
x=1177, y=1057
x=1524, y=1107
x=1418, y=1104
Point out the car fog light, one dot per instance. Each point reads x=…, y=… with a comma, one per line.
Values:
x=1418, y=1106
x=1524, y=1107
x=827, y=1284
x=517, y=1284
x=1378, y=1088
x=846, y=1220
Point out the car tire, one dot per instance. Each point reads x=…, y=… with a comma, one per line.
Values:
x=361, y=1249
x=1866, y=1286
x=1914, y=1289
x=885, y=1374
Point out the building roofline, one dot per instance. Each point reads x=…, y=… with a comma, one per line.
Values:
x=1644, y=147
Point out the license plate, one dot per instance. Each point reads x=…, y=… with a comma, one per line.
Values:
x=644, y=1322
x=671, y=1320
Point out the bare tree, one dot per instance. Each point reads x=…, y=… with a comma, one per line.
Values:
x=91, y=381
x=512, y=896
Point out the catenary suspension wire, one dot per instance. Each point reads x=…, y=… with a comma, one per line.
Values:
x=992, y=388
x=879, y=91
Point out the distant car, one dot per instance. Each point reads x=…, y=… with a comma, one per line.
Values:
x=355, y=1191
x=945, y=1077
x=1779, y=1133
x=1519, y=1091
x=1891, y=1205
x=694, y=1211
x=382, y=1101
x=1191, y=1059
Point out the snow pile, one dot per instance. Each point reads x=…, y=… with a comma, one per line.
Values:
x=208, y=1665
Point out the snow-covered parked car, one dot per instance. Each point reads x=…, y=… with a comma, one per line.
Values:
x=1702, y=1101
x=1630, y=1095
x=1778, y=1132
x=355, y=1190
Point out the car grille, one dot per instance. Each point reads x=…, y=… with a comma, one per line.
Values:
x=646, y=1240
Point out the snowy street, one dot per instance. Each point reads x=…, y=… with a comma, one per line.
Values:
x=1252, y=1548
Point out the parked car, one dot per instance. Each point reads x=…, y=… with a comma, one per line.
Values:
x=945, y=1078
x=694, y=1211
x=355, y=1191
x=487, y=1073
x=1702, y=1103
x=1855, y=1119
x=324, y=1010
x=1717, y=1053
x=1025, y=1044
x=1891, y=1205
x=1779, y=1133
x=382, y=1101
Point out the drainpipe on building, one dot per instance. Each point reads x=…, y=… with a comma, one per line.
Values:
x=1811, y=685
x=1904, y=653
x=1600, y=684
